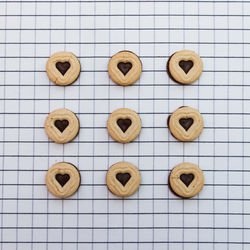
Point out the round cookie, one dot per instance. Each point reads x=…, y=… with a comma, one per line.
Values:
x=123, y=179
x=185, y=123
x=184, y=66
x=124, y=125
x=63, y=179
x=61, y=125
x=186, y=180
x=124, y=68
x=63, y=68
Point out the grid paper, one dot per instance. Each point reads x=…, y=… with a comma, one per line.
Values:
x=153, y=218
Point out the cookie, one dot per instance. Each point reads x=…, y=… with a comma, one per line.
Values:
x=63, y=179
x=186, y=180
x=61, y=125
x=63, y=68
x=184, y=66
x=185, y=123
x=123, y=179
x=124, y=125
x=124, y=68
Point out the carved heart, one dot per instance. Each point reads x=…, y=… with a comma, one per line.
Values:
x=186, y=65
x=62, y=179
x=124, y=124
x=123, y=178
x=186, y=123
x=187, y=178
x=63, y=67
x=61, y=125
x=124, y=67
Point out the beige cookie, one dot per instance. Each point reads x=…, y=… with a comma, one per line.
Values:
x=185, y=124
x=63, y=179
x=124, y=125
x=63, y=68
x=123, y=179
x=61, y=125
x=184, y=66
x=186, y=180
x=124, y=68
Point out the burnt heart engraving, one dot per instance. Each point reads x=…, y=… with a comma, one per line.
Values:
x=187, y=179
x=124, y=67
x=124, y=124
x=123, y=178
x=186, y=65
x=63, y=67
x=186, y=123
x=62, y=179
x=61, y=125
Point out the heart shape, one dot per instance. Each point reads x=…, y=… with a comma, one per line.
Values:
x=63, y=67
x=62, y=179
x=186, y=123
x=124, y=124
x=123, y=178
x=124, y=67
x=186, y=65
x=61, y=125
x=187, y=179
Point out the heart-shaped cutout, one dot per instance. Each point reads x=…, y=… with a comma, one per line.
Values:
x=124, y=67
x=63, y=67
x=61, y=125
x=124, y=124
x=186, y=65
x=123, y=178
x=62, y=179
x=187, y=179
x=186, y=123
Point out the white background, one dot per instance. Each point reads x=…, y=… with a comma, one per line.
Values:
x=153, y=218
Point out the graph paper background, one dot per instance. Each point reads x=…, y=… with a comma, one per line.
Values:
x=153, y=218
